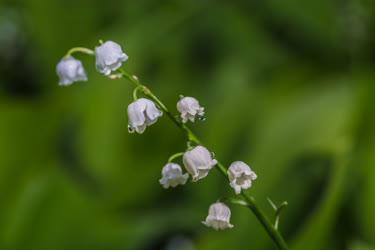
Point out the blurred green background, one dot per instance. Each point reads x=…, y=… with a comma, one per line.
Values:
x=288, y=87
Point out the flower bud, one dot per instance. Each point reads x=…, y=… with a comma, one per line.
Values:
x=109, y=57
x=240, y=176
x=172, y=176
x=189, y=108
x=198, y=162
x=142, y=113
x=70, y=70
x=218, y=216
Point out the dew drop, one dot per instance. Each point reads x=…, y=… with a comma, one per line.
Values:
x=130, y=129
x=201, y=118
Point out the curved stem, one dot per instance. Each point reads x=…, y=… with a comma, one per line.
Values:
x=80, y=50
x=176, y=155
x=135, y=92
x=190, y=135
x=251, y=204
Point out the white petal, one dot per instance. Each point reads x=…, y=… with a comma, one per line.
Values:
x=218, y=216
x=172, y=176
x=109, y=57
x=198, y=161
x=142, y=113
x=70, y=70
x=189, y=108
x=240, y=176
x=152, y=112
x=136, y=113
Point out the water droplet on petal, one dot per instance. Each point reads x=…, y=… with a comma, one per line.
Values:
x=201, y=118
x=130, y=129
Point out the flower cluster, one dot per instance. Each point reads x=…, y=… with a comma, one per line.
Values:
x=143, y=112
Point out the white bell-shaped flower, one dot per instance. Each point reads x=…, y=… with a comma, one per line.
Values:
x=240, y=176
x=218, y=216
x=189, y=108
x=70, y=70
x=198, y=162
x=142, y=113
x=109, y=57
x=172, y=176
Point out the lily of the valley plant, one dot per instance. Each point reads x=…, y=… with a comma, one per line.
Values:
x=197, y=160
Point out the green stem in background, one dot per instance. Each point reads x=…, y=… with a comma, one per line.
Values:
x=271, y=230
x=250, y=201
x=278, y=210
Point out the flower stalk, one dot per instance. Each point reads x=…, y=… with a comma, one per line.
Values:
x=172, y=175
x=79, y=50
x=250, y=201
x=176, y=155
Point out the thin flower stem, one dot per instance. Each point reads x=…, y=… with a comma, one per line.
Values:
x=192, y=138
x=268, y=226
x=190, y=135
x=251, y=203
x=80, y=50
x=277, y=213
x=176, y=155
x=135, y=92
x=271, y=230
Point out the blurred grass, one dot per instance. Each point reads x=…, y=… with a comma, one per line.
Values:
x=288, y=88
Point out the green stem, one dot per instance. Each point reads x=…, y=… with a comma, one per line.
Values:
x=135, y=92
x=191, y=136
x=80, y=50
x=271, y=230
x=176, y=155
x=251, y=204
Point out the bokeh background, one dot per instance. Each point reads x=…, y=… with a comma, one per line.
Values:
x=288, y=87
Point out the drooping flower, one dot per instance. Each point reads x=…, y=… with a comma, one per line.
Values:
x=172, y=176
x=189, y=108
x=198, y=162
x=142, y=113
x=240, y=176
x=109, y=57
x=218, y=216
x=70, y=70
